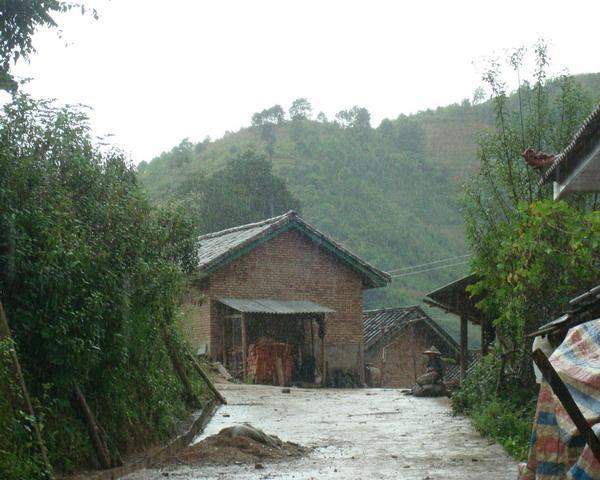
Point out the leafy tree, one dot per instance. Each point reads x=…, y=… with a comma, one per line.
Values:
x=274, y=116
x=357, y=117
x=542, y=115
x=531, y=254
x=94, y=278
x=478, y=96
x=19, y=20
x=266, y=121
x=244, y=191
x=301, y=109
x=543, y=257
x=183, y=153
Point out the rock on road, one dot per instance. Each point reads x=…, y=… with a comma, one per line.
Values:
x=358, y=433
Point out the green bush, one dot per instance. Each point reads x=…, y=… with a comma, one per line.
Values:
x=507, y=423
x=500, y=411
x=90, y=277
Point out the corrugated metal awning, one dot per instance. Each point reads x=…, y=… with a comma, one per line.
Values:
x=264, y=305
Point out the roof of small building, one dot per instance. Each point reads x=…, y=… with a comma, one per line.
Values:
x=219, y=249
x=454, y=298
x=583, y=308
x=578, y=146
x=381, y=326
x=279, y=307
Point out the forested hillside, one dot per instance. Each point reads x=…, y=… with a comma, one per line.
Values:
x=389, y=193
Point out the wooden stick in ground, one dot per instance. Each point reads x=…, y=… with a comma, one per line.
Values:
x=179, y=368
x=279, y=371
x=100, y=445
x=206, y=378
x=23, y=404
x=561, y=391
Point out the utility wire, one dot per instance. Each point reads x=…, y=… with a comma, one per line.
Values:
x=412, y=267
x=439, y=267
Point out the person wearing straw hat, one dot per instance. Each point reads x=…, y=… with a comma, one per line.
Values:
x=435, y=368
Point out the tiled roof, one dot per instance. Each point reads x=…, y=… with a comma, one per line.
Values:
x=220, y=248
x=454, y=298
x=590, y=127
x=215, y=245
x=382, y=325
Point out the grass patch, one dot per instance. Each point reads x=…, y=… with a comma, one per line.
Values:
x=504, y=415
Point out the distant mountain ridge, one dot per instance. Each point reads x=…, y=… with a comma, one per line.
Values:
x=387, y=193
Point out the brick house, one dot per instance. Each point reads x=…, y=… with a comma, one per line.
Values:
x=395, y=339
x=280, y=281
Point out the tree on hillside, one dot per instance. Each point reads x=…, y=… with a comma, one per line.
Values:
x=274, y=116
x=356, y=117
x=19, y=20
x=301, y=109
x=266, y=121
x=245, y=191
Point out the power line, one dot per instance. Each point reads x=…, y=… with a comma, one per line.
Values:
x=439, y=267
x=430, y=263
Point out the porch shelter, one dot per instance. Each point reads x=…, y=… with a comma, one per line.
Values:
x=577, y=167
x=454, y=298
x=296, y=322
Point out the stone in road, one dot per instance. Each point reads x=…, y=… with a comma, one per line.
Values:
x=358, y=433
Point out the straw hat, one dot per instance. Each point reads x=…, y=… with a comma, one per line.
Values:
x=432, y=351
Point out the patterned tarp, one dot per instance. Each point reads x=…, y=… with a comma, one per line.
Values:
x=557, y=449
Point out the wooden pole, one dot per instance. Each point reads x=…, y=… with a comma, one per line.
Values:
x=207, y=379
x=23, y=404
x=484, y=346
x=312, y=339
x=100, y=445
x=172, y=350
x=223, y=343
x=244, y=345
x=561, y=391
x=279, y=371
x=323, y=362
x=412, y=348
x=464, y=350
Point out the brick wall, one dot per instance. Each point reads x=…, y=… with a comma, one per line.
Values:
x=402, y=357
x=292, y=267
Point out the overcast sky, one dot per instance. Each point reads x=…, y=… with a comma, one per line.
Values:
x=155, y=72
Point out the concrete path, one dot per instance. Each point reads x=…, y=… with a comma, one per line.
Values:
x=362, y=433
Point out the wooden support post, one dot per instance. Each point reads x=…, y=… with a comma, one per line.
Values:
x=312, y=340
x=484, y=345
x=223, y=352
x=323, y=361
x=206, y=379
x=561, y=391
x=412, y=349
x=244, y=345
x=23, y=403
x=464, y=348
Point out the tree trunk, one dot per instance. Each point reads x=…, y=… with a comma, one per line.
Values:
x=99, y=440
x=24, y=403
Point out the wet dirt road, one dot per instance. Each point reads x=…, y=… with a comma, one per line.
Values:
x=362, y=433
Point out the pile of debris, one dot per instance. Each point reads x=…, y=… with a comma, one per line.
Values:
x=237, y=445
